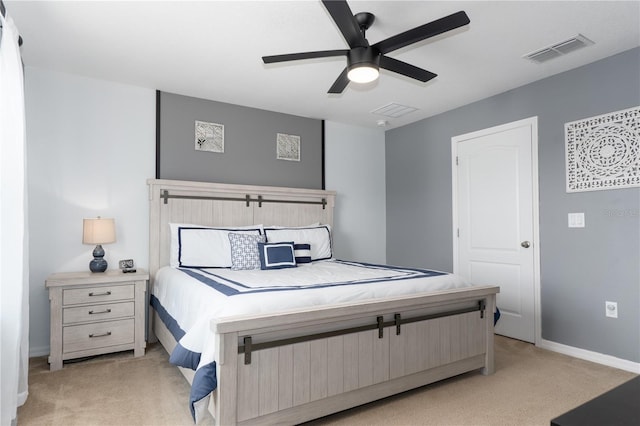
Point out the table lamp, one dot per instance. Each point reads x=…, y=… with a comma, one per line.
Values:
x=98, y=231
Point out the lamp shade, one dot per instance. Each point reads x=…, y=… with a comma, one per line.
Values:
x=98, y=231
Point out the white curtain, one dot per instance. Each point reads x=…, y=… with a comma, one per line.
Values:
x=14, y=275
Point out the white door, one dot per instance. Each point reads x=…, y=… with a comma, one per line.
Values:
x=495, y=219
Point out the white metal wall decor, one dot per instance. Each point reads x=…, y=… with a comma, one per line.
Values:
x=603, y=152
x=288, y=147
x=209, y=136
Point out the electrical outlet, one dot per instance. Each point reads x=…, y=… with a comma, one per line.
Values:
x=611, y=309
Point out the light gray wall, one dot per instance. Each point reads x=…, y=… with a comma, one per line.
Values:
x=580, y=268
x=354, y=159
x=249, y=147
x=90, y=150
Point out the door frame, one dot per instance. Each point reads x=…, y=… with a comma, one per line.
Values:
x=533, y=123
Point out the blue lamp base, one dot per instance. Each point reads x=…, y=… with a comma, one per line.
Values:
x=98, y=264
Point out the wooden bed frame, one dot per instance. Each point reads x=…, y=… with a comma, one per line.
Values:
x=308, y=363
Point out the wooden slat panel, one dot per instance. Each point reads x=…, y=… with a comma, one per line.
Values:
x=381, y=356
x=476, y=336
x=488, y=331
x=298, y=374
x=350, y=362
x=319, y=367
x=285, y=377
x=269, y=374
x=301, y=373
x=176, y=211
x=290, y=214
x=411, y=348
x=396, y=354
x=335, y=365
x=365, y=357
x=432, y=337
x=423, y=339
x=444, y=327
x=231, y=213
x=195, y=208
x=226, y=395
x=206, y=213
x=469, y=324
x=455, y=343
x=248, y=386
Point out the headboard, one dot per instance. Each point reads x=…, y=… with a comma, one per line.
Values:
x=203, y=203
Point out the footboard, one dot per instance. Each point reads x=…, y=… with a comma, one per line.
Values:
x=303, y=365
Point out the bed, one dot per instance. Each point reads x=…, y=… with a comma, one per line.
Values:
x=283, y=360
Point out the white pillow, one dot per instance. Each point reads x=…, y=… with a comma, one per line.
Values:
x=199, y=246
x=293, y=227
x=319, y=237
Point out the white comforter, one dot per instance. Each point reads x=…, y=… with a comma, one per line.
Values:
x=321, y=283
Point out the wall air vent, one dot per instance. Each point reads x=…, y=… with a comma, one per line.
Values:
x=558, y=49
x=393, y=110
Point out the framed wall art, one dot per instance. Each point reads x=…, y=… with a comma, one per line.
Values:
x=288, y=147
x=603, y=152
x=209, y=137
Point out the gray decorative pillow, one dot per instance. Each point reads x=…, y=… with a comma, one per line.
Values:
x=244, y=251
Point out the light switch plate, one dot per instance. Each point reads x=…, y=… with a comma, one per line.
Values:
x=576, y=220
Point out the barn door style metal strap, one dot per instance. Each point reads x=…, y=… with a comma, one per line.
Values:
x=247, y=199
x=247, y=346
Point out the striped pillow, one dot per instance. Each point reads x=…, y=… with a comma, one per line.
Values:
x=302, y=253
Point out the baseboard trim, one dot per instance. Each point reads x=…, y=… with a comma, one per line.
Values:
x=596, y=357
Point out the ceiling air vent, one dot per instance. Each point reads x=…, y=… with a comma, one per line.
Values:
x=558, y=49
x=394, y=110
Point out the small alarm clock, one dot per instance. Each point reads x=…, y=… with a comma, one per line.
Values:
x=126, y=265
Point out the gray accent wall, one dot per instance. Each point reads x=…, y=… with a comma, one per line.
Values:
x=249, y=147
x=580, y=268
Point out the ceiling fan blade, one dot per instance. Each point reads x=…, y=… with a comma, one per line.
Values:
x=422, y=32
x=340, y=83
x=406, y=69
x=304, y=55
x=343, y=17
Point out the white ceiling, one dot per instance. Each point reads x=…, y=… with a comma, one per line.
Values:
x=213, y=49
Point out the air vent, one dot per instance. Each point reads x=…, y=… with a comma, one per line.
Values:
x=394, y=110
x=558, y=49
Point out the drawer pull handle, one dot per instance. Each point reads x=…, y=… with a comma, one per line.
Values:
x=106, y=311
x=108, y=333
x=106, y=293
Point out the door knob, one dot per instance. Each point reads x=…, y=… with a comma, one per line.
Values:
x=525, y=244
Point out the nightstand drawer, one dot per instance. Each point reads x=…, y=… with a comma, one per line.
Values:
x=91, y=336
x=97, y=312
x=98, y=294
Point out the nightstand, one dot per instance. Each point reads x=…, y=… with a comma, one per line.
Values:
x=96, y=313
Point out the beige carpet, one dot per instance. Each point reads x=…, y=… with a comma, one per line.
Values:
x=530, y=387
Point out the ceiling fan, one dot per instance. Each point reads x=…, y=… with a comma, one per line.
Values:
x=364, y=60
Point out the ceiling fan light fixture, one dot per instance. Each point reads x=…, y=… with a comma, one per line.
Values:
x=365, y=60
x=363, y=73
x=363, y=64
